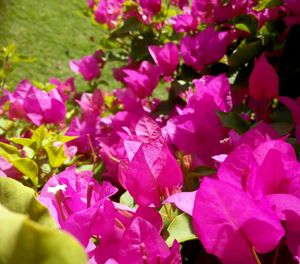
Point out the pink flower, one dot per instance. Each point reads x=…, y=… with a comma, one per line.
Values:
x=142, y=243
x=205, y=48
x=88, y=66
x=114, y=130
x=256, y=136
x=294, y=6
x=288, y=210
x=218, y=88
x=191, y=129
x=230, y=10
x=166, y=57
x=108, y=12
x=263, y=82
x=229, y=223
x=16, y=109
x=135, y=239
x=35, y=105
x=183, y=200
x=91, y=103
x=70, y=192
x=184, y=22
x=129, y=100
x=180, y=3
x=90, y=3
x=269, y=168
x=216, y=11
x=65, y=89
x=148, y=155
x=86, y=131
x=142, y=81
x=150, y=7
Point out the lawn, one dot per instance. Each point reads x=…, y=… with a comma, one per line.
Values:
x=52, y=32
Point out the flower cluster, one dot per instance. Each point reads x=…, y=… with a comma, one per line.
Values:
x=197, y=148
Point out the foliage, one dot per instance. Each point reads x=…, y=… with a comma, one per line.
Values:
x=28, y=233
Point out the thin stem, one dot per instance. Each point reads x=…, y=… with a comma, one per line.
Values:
x=114, y=159
x=255, y=255
x=94, y=156
x=276, y=255
x=167, y=212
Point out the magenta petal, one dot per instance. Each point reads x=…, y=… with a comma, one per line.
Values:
x=142, y=241
x=74, y=65
x=258, y=135
x=56, y=113
x=228, y=222
x=272, y=174
x=218, y=88
x=287, y=208
x=183, y=200
x=150, y=6
x=175, y=256
x=166, y=57
x=169, y=175
x=81, y=224
x=147, y=130
x=131, y=147
x=284, y=148
x=184, y=22
x=239, y=168
x=263, y=82
x=206, y=47
x=144, y=189
x=150, y=215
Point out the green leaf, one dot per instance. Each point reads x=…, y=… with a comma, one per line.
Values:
x=245, y=52
x=28, y=167
x=263, y=4
x=129, y=25
x=28, y=233
x=165, y=215
x=39, y=135
x=66, y=139
x=180, y=229
x=9, y=152
x=30, y=153
x=6, y=124
x=127, y=199
x=28, y=142
x=202, y=171
x=20, y=199
x=140, y=44
x=44, y=86
x=248, y=23
x=283, y=128
x=56, y=155
x=234, y=121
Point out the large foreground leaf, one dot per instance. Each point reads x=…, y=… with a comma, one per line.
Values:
x=28, y=234
x=20, y=199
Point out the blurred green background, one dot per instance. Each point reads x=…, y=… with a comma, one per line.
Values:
x=50, y=31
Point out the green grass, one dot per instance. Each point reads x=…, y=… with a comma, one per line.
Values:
x=52, y=32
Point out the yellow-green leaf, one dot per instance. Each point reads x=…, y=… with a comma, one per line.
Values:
x=180, y=229
x=56, y=155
